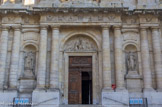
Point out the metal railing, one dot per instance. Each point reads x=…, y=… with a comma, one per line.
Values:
x=22, y=102
x=138, y=102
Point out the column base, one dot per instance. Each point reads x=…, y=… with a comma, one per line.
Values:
x=159, y=90
x=107, y=89
x=153, y=98
x=148, y=90
x=48, y=98
x=7, y=97
x=115, y=99
x=121, y=89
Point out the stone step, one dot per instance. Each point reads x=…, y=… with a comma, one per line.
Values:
x=80, y=105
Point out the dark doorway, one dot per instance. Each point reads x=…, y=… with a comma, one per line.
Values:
x=86, y=88
x=80, y=80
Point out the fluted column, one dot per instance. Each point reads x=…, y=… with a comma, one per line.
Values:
x=145, y=60
x=41, y=75
x=3, y=54
x=15, y=58
x=118, y=59
x=157, y=56
x=54, y=74
x=106, y=58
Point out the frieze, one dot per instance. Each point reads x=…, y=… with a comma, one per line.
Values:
x=11, y=19
x=148, y=19
x=80, y=44
x=130, y=20
x=82, y=17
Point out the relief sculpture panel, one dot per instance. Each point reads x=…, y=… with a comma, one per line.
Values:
x=80, y=44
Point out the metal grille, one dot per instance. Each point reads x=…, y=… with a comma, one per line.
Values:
x=22, y=102
x=138, y=102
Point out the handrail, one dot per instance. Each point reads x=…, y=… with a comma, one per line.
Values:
x=116, y=101
x=45, y=101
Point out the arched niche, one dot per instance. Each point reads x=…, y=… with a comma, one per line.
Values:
x=131, y=59
x=28, y=69
x=132, y=75
x=29, y=59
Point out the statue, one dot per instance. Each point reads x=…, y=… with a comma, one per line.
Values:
x=29, y=63
x=131, y=61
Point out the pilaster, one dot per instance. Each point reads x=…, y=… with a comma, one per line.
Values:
x=157, y=57
x=41, y=75
x=3, y=54
x=54, y=74
x=118, y=59
x=145, y=60
x=106, y=58
x=15, y=57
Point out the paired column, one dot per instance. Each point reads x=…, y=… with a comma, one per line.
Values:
x=157, y=56
x=3, y=54
x=54, y=74
x=41, y=75
x=118, y=59
x=146, y=60
x=106, y=58
x=15, y=58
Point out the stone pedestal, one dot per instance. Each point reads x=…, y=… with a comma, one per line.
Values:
x=27, y=85
x=45, y=99
x=6, y=98
x=153, y=98
x=133, y=82
x=115, y=99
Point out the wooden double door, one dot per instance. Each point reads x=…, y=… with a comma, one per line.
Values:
x=80, y=80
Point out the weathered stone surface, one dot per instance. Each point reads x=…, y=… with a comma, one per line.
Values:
x=45, y=98
x=123, y=37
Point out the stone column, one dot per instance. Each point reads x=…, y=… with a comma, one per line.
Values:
x=3, y=54
x=54, y=74
x=41, y=75
x=145, y=60
x=157, y=57
x=15, y=58
x=106, y=59
x=118, y=59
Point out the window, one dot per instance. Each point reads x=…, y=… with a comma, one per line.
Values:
x=29, y=2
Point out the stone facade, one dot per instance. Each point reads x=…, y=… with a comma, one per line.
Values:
x=124, y=38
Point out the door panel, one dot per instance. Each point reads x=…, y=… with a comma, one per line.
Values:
x=75, y=87
x=77, y=65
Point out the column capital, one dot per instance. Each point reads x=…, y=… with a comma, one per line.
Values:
x=16, y=27
x=105, y=26
x=143, y=27
x=117, y=26
x=56, y=27
x=44, y=26
x=155, y=27
x=5, y=27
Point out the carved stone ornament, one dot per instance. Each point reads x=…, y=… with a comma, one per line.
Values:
x=80, y=44
x=29, y=64
x=11, y=19
x=148, y=19
x=81, y=17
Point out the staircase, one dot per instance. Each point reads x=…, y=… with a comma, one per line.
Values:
x=80, y=105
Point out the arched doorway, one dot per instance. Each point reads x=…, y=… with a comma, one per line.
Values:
x=81, y=70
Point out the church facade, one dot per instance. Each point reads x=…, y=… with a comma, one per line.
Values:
x=72, y=53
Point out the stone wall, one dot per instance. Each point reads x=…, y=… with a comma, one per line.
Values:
x=36, y=43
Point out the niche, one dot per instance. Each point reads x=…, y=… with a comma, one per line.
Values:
x=133, y=79
x=28, y=76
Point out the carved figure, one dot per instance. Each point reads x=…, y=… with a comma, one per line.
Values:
x=80, y=44
x=29, y=63
x=131, y=61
